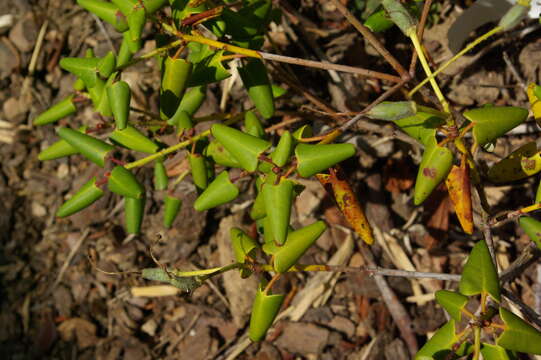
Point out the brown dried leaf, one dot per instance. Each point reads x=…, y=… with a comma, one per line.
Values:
x=459, y=187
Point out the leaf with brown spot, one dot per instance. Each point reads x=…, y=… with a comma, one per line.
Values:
x=337, y=185
x=459, y=187
x=514, y=166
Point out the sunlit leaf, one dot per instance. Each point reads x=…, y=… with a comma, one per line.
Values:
x=434, y=168
x=479, y=274
x=518, y=335
x=493, y=121
x=452, y=302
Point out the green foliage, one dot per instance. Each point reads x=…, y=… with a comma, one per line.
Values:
x=187, y=62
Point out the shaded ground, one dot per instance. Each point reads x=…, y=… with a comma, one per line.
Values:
x=55, y=304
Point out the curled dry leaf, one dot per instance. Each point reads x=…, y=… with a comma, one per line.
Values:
x=337, y=185
x=458, y=185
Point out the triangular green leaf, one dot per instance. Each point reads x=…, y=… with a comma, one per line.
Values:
x=313, y=159
x=479, y=274
x=452, y=302
x=492, y=122
x=518, y=335
x=532, y=228
x=244, y=147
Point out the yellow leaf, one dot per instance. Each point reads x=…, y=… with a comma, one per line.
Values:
x=458, y=185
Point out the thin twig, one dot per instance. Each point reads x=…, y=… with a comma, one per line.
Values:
x=528, y=312
x=329, y=66
x=397, y=310
x=369, y=36
x=105, y=33
x=420, y=33
x=70, y=257
x=514, y=71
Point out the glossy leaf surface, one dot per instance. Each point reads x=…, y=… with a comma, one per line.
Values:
x=479, y=274
x=492, y=122
x=518, y=335
x=297, y=243
x=452, y=302
x=511, y=167
x=172, y=208
x=175, y=76
x=220, y=191
x=313, y=159
x=56, y=112
x=440, y=344
x=264, y=311
x=532, y=228
x=134, y=210
x=83, y=198
x=434, y=168
x=119, y=96
x=122, y=182
x=244, y=147
x=133, y=139
x=255, y=79
x=106, y=11
x=277, y=199
x=93, y=149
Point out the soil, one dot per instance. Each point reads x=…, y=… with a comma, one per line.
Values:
x=58, y=302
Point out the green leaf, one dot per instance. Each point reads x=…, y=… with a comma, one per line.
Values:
x=511, y=167
x=434, y=168
x=172, y=208
x=256, y=81
x=192, y=99
x=253, y=126
x=107, y=12
x=514, y=16
x=209, y=70
x=134, y=210
x=440, y=344
x=479, y=274
x=107, y=65
x=136, y=21
x=378, y=21
x=56, y=112
x=518, y=335
x=198, y=165
x=304, y=131
x=244, y=147
x=392, y=110
x=93, y=149
x=313, y=159
x=282, y=153
x=494, y=352
x=219, y=154
x=277, y=199
x=122, y=182
x=83, y=198
x=422, y=127
x=59, y=149
x=400, y=16
x=119, y=96
x=133, y=139
x=242, y=244
x=264, y=311
x=84, y=68
x=492, y=122
x=452, y=302
x=532, y=228
x=296, y=245
x=160, y=175
x=220, y=191
x=175, y=76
